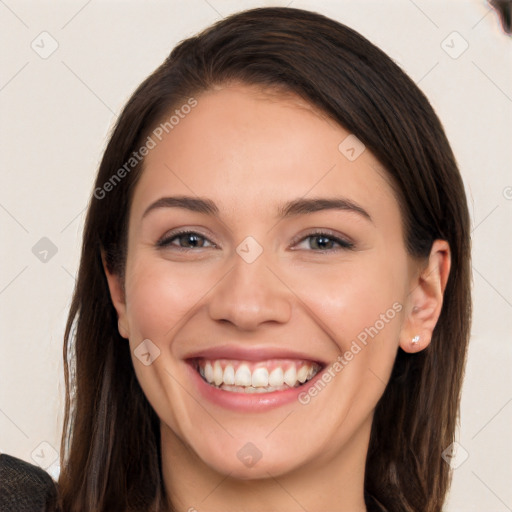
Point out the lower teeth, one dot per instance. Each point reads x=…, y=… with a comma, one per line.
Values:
x=250, y=389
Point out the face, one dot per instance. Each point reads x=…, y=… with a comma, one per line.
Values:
x=269, y=260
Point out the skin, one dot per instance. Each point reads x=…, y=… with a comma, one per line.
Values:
x=250, y=152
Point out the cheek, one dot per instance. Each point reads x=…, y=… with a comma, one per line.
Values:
x=361, y=303
x=159, y=296
x=361, y=310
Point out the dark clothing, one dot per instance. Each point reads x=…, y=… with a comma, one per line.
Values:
x=25, y=487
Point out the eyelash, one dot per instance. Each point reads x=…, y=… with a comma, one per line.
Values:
x=343, y=243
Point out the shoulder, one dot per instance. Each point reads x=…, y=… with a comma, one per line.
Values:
x=25, y=487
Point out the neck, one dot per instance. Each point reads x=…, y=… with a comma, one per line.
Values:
x=334, y=482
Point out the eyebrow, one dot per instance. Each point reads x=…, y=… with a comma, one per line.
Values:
x=293, y=208
x=194, y=204
x=302, y=206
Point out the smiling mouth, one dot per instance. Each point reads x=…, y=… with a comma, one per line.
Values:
x=240, y=376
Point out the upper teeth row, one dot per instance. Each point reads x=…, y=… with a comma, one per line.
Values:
x=259, y=377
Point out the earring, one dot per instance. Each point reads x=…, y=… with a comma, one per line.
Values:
x=415, y=340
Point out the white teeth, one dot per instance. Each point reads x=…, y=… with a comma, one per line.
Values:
x=208, y=372
x=276, y=378
x=259, y=378
x=217, y=373
x=243, y=376
x=302, y=374
x=290, y=376
x=229, y=375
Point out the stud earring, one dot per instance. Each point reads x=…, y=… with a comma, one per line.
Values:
x=415, y=340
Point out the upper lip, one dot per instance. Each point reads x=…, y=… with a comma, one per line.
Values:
x=241, y=353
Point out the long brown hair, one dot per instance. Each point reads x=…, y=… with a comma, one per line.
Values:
x=110, y=453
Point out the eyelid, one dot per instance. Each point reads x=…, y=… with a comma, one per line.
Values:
x=344, y=242
x=165, y=240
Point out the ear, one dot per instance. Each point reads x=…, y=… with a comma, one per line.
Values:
x=118, y=298
x=426, y=299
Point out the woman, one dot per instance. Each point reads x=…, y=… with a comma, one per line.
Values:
x=273, y=302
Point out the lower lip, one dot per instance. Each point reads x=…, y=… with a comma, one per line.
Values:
x=248, y=402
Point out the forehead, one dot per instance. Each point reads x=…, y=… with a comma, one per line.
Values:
x=248, y=150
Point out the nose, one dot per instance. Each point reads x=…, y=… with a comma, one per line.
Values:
x=250, y=295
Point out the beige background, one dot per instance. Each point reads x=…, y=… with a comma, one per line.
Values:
x=56, y=115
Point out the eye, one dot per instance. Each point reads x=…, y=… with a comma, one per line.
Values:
x=323, y=241
x=185, y=240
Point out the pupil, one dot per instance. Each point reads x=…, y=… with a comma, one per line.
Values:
x=191, y=240
x=322, y=242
